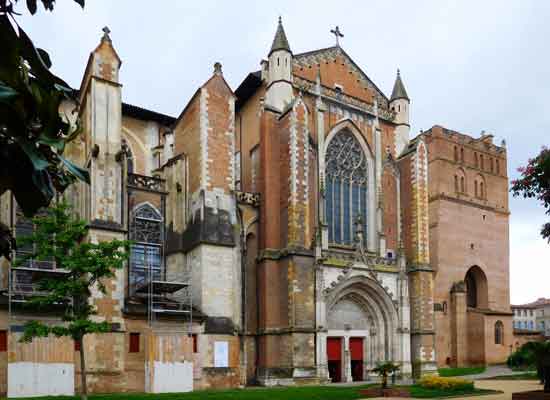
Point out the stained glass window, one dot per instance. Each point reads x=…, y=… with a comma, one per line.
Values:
x=146, y=253
x=346, y=187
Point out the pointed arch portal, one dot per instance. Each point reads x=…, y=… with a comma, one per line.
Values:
x=361, y=324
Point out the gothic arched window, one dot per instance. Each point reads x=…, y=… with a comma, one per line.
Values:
x=146, y=233
x=346, y=187
x=499, y=332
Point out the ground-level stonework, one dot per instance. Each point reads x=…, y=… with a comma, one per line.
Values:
x=287, y=232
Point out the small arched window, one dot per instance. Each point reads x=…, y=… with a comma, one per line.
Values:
x=481, y=162
x=462, y=185
x=278, y=61
x=456, y=153
x=456, y=183
x=499, y=332
x=462, y=154
x=481, y=190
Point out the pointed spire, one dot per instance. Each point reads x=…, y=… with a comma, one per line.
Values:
x=280, y=41
x=399, y=91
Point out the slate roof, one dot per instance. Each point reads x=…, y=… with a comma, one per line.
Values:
x=280, y=42
x=399, y=91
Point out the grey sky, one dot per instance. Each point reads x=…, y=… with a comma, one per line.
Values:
x=467, y=65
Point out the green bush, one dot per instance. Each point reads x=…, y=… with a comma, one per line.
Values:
x=522, y=358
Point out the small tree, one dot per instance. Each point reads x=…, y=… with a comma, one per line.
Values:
x=59, y=237
x=384, y=370
x=535, y=183
x=539, y=356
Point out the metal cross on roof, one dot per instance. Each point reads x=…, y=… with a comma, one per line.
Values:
x=106, y=32
x=337, y=34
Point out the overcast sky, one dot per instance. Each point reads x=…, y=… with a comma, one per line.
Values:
x=467, y=65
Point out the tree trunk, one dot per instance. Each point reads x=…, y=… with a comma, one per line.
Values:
x=84, y=388
x=546, y=377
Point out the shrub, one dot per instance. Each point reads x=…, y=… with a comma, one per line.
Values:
x=522, y=358
x=439, y=382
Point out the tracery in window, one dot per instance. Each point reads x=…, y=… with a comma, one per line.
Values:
x=346, y=187
x=146, y=253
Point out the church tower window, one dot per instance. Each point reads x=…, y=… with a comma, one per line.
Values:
x=346, y=187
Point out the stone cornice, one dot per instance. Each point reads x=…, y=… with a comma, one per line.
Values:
x=443, y=196
x=422, y=332
x=284, y=331
x=419, y=268
x=106, y=226
x=278, y=254
x=487, y=311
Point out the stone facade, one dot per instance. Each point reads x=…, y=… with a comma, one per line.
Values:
x=311, y=235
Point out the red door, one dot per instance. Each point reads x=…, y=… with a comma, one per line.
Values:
x=356, y=353
x=334, y=357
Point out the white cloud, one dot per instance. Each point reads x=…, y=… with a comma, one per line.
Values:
x=529, y=261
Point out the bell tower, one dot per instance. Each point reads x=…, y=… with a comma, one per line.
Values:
x=279, y=79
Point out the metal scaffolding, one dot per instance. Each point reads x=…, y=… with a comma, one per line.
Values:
x=165, y=293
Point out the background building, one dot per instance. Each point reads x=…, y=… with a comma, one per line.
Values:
x=533, y=316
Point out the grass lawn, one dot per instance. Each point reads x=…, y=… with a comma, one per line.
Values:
x=446, y=372
x=528, y=376
x=283, y=393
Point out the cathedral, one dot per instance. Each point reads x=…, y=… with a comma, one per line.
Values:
x=289, y=231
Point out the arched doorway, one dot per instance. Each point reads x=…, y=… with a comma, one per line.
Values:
x=361, y=321
x=476, y=288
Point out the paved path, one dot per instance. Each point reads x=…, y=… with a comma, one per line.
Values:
x=492, y=371
x=508, y=387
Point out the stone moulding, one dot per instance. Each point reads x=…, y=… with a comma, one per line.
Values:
x=146, y=183
x=420, y=267
x=277, y=254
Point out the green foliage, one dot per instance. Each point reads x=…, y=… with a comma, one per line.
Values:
x=534, y=355
x=59, y=237
x=385, y=369
x=33, y=134
x=446, y=372
x=331, y=392
x=535, y=183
